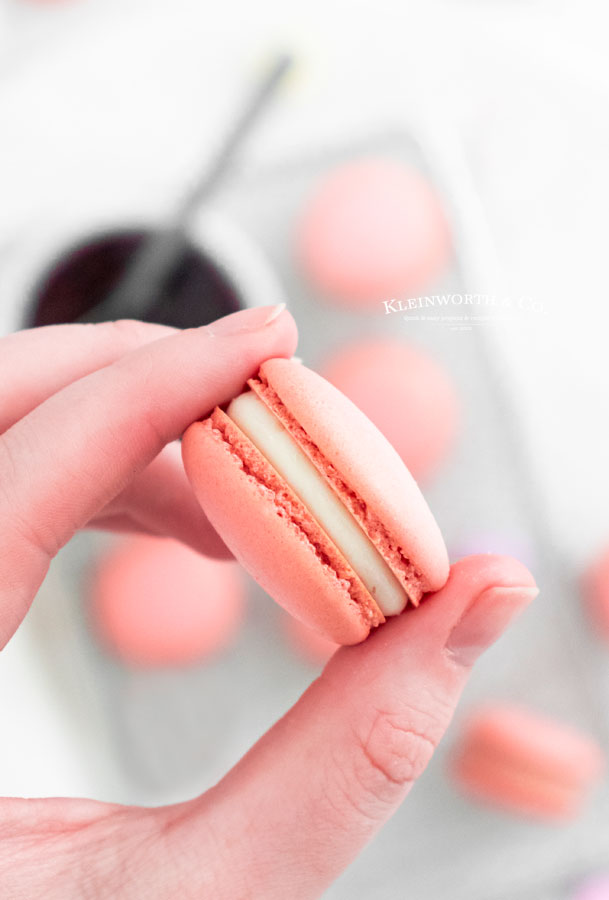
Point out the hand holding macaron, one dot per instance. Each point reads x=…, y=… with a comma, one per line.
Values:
x=86, y=420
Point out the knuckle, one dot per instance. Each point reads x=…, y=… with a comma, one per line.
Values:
x=151, y=428
x=393, y=752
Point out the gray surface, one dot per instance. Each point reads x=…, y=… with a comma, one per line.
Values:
x=173, y=733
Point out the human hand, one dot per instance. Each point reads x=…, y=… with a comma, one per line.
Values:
x=87, y=417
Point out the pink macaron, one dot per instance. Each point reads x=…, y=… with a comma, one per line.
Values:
x=514, y=758
x=595, y=588
x=155, y=602
x=315, y=503
x=405, y=392
x=373, y=230
x=596, y=887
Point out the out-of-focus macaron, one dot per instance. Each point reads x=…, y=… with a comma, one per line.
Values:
x=315, y=503
x=155, y=602
x=596, y=887
x=514, y=758
x=595, y=589
x=373, y=230
x=405, y=392
x=309, y=644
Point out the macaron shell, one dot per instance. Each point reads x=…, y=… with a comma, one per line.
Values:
x=596, y=887
x=596, y=594
x=367, y=462
x=374, y=229
x=516, y=791
x=155, y=602
x=515, y=758
x=537, y=743
x=266, y=542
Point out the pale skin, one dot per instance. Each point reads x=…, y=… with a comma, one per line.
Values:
x=88, y=414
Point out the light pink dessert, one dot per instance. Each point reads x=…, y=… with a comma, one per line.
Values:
x=596, y=594
x=596, y=887
x=315, y=503
x=155, y=602
x=405, y=392
x=515, y=758
x=374, y=230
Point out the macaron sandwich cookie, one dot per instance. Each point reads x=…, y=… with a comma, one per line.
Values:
x=315, y=503
x=532, y=765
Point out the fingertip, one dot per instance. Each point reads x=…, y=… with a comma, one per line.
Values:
x=255, y=322
x=418, y=635
x=284, y=325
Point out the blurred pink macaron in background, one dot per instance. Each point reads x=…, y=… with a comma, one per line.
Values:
x=155, y=602
x=373, y=230
x=532, y=765
x=408, y=395
x=596, y=887
x=595, y=589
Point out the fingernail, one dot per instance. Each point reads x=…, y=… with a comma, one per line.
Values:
x=485, y=620
x=245, y=320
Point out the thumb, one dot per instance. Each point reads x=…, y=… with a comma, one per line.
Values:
x=314, y=790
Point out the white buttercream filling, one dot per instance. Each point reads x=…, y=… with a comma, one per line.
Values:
x=278, y=447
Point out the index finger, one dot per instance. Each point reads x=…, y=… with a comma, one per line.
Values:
x=37, y=362
x=72, y=454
